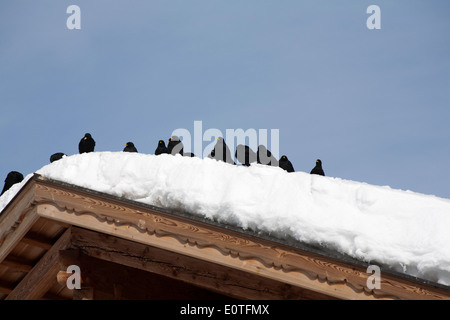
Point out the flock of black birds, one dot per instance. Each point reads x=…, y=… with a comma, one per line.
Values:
x=221, y=152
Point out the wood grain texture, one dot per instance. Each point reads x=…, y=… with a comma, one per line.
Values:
x=36, y=283
x=231, y=282
x=220, y=246
x=175, y=246
x=17, y=218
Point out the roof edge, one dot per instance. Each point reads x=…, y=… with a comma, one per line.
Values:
x=293, y=243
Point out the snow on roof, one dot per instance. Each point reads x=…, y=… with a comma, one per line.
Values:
x=407, y=232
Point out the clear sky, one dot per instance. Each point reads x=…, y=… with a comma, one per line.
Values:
x=373, y=105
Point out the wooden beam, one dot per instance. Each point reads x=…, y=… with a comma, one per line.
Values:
x=43, y=275
x=113, y=281
x=217, y=278
x=36, y=241
x=17, y=264
x=62, y=277
x=6, y=287
x=69, y=257
x=108, y=280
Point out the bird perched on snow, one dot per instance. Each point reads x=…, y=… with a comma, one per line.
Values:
x=264, y=156
x=129, y=147
x=12, y=178
x=245, y=155
x=318, y=168
x=87, y=144
x=212, y=154
x=188, y=154
x=174, y=145
x=56, y=156
x=222, y=152
x=161, y=148
x=285, y=164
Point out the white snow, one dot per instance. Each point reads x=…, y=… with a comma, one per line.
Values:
x=405, y=231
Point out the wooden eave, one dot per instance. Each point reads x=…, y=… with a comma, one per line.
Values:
x=50, y=225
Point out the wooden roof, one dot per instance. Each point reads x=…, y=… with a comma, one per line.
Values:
x=124, y=248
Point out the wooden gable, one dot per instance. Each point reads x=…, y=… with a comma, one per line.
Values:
x=127, y=250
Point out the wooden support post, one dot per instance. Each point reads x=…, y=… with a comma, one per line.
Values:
x=69, y=258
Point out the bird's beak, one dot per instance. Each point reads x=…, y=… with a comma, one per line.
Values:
x=85, y=138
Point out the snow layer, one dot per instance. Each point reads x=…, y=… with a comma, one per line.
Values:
x=405, y=231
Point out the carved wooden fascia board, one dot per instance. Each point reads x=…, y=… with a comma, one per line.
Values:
x=180, y=234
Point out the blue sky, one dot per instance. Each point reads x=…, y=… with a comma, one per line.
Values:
x=372, y=104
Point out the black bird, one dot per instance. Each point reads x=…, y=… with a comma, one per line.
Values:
x=318, y=168
x=87, y=144
x=188, y=154
x=285, y=164
x=129, y=147
x=212, y=155
x=264, y=156
x=56, y=156
x=12, y=178
x=161, y=148
x=222, y=152
x=175, y=146
x=245, y=155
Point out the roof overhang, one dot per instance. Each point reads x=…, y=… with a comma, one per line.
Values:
x=49, y=219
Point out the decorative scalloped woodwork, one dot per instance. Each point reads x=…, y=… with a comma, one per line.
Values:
x=189, y=237
x=211, y=243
